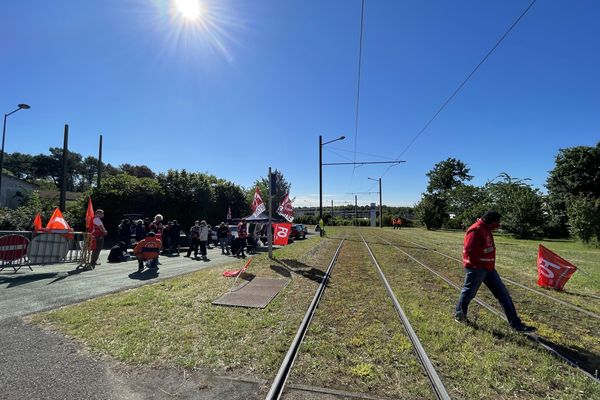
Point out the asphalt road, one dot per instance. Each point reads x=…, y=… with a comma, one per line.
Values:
x=52, y=286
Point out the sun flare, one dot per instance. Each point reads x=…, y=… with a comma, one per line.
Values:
x=189, y=9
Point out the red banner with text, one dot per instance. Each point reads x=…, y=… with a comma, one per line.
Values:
x=281, y=234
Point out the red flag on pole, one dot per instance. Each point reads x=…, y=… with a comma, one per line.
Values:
x=37, y=222
x=553, y=270
x=285, y=209
x=281, y=234
x=89, y=216
x=258, y=206
x=57, y=222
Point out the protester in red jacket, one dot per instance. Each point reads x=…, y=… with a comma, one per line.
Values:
x=147, y=250
x=479, y=261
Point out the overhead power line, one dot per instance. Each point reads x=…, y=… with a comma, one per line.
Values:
x=464, y=82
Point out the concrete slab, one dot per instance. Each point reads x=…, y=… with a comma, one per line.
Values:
x=257, y=293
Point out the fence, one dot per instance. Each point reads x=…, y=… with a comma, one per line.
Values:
x=24, y=248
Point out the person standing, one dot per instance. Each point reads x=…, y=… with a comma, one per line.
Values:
x=242, y=231
x=140, y=231
x=147, y=251
x=98, y=233
x=194, y=239
x=223, y=236
x=479, y=261
x=321, y=227
x=175, y=233
x=203, y=236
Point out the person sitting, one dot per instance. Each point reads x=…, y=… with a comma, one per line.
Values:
x=118, y=253
x=147, y=251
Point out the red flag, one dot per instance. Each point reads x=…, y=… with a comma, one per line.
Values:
x=235, y=272
x=57, y=222
x=258, y=206
x=281, y=233
x=37, y=222
x=553, y=270
x=285, y=209
x=89, y=216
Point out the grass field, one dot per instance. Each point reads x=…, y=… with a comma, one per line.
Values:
x=355, y=342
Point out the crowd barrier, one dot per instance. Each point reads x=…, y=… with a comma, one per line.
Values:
x=25, y=248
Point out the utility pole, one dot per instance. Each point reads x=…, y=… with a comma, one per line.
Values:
x=99, y=163
x=380, y=206
x=356, y=210
x=270, y=227
x=63, y=186
x=332, y=210
x=320, y=178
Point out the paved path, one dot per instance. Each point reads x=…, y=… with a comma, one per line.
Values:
x=52, y=286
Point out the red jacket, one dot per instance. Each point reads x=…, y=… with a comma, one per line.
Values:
x=479, y=250
x=148, y=248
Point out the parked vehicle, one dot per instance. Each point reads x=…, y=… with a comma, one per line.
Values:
x=299, y=231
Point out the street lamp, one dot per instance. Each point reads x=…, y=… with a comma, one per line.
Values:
x=380, y=204
x=321, y=144
x=20, y=107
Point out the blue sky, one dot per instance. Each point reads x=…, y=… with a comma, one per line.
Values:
x=254, y=83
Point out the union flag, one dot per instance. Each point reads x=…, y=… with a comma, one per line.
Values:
x=285, y=209
x=258, y=207
x=553, y=270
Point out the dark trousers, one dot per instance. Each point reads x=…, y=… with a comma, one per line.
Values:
x=203, y=248
x=193, y=246
x=474, y=277
x=96, y=251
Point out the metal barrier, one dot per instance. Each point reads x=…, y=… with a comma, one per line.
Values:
x=25, y=248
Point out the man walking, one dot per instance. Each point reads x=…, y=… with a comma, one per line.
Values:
x=203, y=236
x=479, y=261
x=223, y=236
x=194, y=239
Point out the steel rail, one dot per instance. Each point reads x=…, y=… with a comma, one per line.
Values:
x=559, y=301
x=436, y=382
x=532, y=336
x=284, y=370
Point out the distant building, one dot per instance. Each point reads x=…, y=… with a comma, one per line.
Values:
x=14, y=191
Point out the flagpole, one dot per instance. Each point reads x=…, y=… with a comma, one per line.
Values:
x=269, y=228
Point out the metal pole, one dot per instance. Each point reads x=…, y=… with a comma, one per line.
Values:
x=63, y=186
x=380, y=206
x=355, y=210
x=2, y=157
x=332, y=210
x=320, y=177
x=99, y=163
x=269, y=229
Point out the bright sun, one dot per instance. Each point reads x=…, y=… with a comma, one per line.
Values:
x=190, y=9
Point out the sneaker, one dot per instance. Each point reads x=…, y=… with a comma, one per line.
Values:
x=525, y=328
x=461, y=319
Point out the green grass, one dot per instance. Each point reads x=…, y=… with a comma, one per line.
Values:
x=173, y=323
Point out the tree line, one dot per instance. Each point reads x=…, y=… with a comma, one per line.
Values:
x=571, y=206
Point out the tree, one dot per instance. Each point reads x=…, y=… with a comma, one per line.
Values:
x=282, y=187
x=21, y=166
x=141, y=171
x=576, y=173
x=584, y=217
x=431, y=210
x=468, y=203
x=89, y=172
x=520, y=205
x=446, y=175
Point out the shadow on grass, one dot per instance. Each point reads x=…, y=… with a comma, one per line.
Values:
x=306, y=271
x=585, y=359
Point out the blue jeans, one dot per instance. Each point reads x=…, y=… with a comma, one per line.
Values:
x=223, y=242
x=473, y=279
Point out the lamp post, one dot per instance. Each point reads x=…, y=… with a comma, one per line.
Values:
x=321, y=144
x=380, y=204
x=20, y=107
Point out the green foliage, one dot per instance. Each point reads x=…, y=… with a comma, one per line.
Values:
x=520, y=205
x=446, y=175
x=576, y=173
x=431, y=210
x=22, y=218
x=584, y=217
x=468, y=203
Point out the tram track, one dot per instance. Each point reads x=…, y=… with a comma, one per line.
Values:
x=537, y=339
x=514, y=283
x=279, y=383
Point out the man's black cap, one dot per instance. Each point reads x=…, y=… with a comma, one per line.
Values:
x=490, y=217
